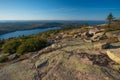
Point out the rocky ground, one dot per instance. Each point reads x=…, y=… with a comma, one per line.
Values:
x=79, y=56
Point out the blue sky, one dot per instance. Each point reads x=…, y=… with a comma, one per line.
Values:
x=58, y=9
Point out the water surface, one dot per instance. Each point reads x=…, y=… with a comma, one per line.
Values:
x=25, y=32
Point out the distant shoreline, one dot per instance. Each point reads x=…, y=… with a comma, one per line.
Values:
x=25, y=29
x=40, y=25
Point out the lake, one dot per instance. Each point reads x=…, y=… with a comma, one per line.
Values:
x=39, y=30
x=25, y=32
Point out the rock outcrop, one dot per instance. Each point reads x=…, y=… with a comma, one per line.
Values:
x=101, y=46
x=114, y=54
x=75, y=60
x=69, y=57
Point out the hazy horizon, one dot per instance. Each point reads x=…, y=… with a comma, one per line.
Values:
x=52, y=20
x=58, y=9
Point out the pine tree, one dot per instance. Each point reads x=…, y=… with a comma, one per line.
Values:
x=110, y=19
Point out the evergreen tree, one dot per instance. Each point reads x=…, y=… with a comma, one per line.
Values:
x=110, y=18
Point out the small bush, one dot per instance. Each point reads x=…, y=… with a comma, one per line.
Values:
x=11, y=46
x=72, y=32
x=84, y=29
x=48, y=33
x=1, y=43
x=3, y=58
x=53, y=32
x=32, y=44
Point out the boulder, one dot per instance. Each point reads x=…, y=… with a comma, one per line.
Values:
x=113, y=34
x=93, y=31
x=85, y=35
x=94, y=40
x=54, y=46
x=98, y=36
x=67, y=36
x=113, y=40
x=114, y=54
x=88, y=34
x=39, y=64
x=13, y=57
x=119, y=37
x=101, y=46
x=109, y=35
x=58, y=37
x=89, y=41
x=75, y=36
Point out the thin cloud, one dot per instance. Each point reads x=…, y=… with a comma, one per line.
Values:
x=74, y=9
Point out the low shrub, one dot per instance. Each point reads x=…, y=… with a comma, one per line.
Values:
x=1, y=43
x=72, y=32
x=84, y=29
x=11, y=46
x=3, y=58
x=31, y=44
x=48, y=33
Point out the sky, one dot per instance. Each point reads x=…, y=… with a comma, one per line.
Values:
x=58, y=9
